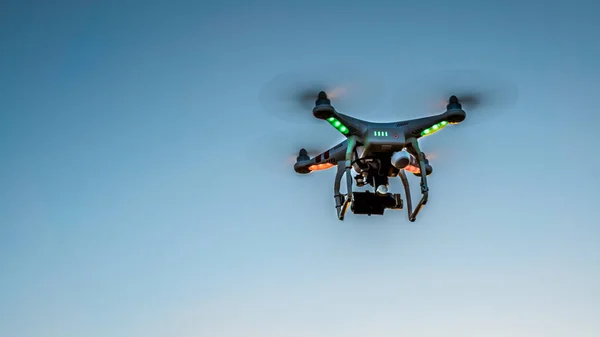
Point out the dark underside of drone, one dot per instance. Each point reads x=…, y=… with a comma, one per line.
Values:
x=375, y=170
x=368, y=203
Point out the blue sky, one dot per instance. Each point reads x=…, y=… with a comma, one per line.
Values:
x=129, y=206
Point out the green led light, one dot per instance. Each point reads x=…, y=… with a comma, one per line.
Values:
x=338, y=125
x=434, y=128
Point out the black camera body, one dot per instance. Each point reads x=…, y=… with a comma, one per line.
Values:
x=369, y=203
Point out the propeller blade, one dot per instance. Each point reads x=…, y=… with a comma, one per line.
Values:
x=291, y=96
x=483, y=95
x=280, y=150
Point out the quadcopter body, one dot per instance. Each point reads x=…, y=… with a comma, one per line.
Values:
x=376, y=152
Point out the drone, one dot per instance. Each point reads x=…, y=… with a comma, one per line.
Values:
x=387, y=150
x=379, y=151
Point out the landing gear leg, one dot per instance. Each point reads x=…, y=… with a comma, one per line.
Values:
x=412, y=216
x=421, y=158
x=341, y=203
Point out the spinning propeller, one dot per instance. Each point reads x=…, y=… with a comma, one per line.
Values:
x=291, y=96
x=482, y=95
x=280, y=149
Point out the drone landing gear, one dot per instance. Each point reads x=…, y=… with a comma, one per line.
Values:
x=412, y=216
x=366, y=203
x=343, y=201
x=373, y=203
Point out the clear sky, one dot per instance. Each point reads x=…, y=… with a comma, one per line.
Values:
x=129, y=206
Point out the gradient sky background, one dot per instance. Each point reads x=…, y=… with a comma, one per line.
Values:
x=128, y=207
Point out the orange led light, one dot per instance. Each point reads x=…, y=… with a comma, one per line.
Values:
x=318, y=167
x=412, y=169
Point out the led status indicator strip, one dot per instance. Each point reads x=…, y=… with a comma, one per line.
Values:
x=380, y=133
x=412, y=169
x=338, y=125
x=319, y=167
x=437, y=127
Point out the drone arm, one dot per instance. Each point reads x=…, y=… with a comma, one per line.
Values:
x=348, y=126
x=322, y=161
x=416, y=127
